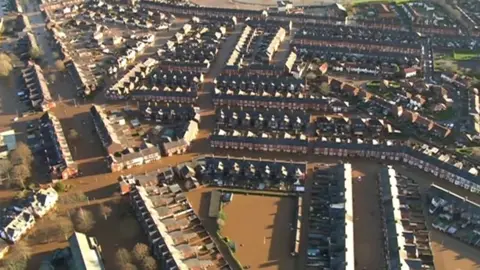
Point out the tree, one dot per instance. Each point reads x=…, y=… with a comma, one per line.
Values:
x=12, y=263
x=324, y=88
x=5, y=65
x=60, y=65
x=128, y=266
x=149, y=263
x=65, y=226
x=220, y=223
x=123, y=257
x=5, y=169
x=59, y=187
x=52, y=77
x=20, y=174
x=35, y=53
x=20, y=251
x=104, y=210
x=140, y=251
x=73, y=134
x=56, y=55
x=21, y=155
x=83, y=220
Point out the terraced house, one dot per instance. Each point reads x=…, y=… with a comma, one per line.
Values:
x=176, y=236
x=124, y=146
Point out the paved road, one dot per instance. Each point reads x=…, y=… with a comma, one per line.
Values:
x=427, y=59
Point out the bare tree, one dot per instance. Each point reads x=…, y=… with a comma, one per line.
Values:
x=6, y=65
x=52, y=77
x=129, y=266
x=21, y=155
x=123, y=257
x=149, y=263
x=21, y=250
x=20, y=174
x=15, y=263
x=60, y=65
x=83, y=220
x=5, y=169
x=65, y=226
x=140, y=251
x=104, y=210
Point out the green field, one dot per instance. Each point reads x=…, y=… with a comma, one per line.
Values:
x=465, y=55
x=447, y=114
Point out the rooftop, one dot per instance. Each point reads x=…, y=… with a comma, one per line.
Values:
x=181, y=233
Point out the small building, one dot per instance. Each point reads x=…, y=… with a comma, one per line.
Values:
x=409, y=72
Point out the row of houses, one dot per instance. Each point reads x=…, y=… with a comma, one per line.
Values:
x=122, y=14
x=172, y=86
x=270, y=44
x=123, y=149
x=385, y=70
x=360, y=35
x=77, y=66
x=19, y=217
x=454, y=215
x=243, y=44
x=182, y=137
x=257, y=174
x=242, y=14
x=352, y=45
x=271, y=92
x=55, y=149
x=424, y=157
x=259, y=141
x=406, y=238
x=330, y=240
x=400, y=114
x=36, y=88
x=456, y=79
x=271, y=120
x=253, y=69
x=168, y=115
x=129, y=82
x=353, y=125
x=176, y=235
x=197, y=41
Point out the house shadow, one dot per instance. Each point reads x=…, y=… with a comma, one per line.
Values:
x=282, y=240
x=200, y=146
x=82, y=138
x=103, y=192
x=36, y=259
x=203, y=212
x=93, y=167
x=210, y=224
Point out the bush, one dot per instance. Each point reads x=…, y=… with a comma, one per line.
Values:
x=5, y=65
x=60, y=187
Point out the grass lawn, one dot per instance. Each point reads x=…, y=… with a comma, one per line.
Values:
x=445, y=115
x=465, y=151
x=465, y=55
x=469, y=151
